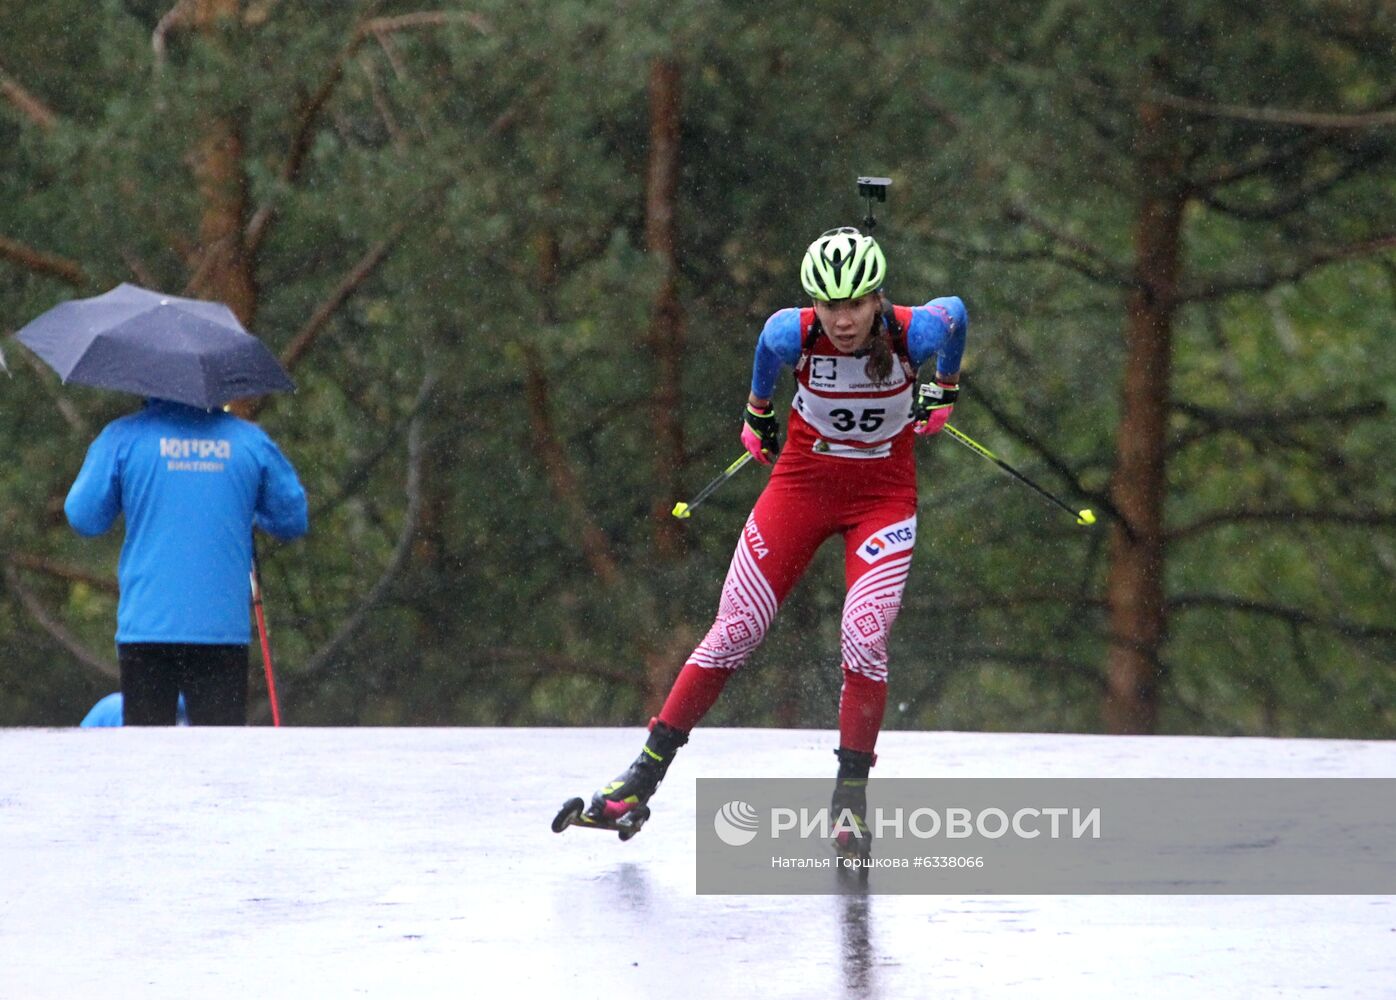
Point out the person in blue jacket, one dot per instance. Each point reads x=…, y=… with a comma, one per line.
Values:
x=192, y=484
x=106, y=714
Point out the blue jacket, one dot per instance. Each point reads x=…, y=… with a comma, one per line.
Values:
x=191, y=484
x=111, y=711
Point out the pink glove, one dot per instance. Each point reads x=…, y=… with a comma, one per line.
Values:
x=934, y=404
x=935, y=423
x=761, y=434
x=752, y=443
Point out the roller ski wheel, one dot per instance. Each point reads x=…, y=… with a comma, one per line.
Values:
x=575, y=813
x=570, y=813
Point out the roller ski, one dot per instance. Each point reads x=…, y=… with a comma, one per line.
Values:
x=576, y=813
x=623, y=804
x=852, y=840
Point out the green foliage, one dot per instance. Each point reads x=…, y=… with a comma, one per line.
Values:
x=503, y=151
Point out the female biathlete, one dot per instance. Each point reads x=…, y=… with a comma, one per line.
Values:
x=848, y=469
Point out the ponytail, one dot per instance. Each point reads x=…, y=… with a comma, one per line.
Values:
x=879, y=363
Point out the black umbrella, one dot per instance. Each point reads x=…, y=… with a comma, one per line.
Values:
x=139, y=341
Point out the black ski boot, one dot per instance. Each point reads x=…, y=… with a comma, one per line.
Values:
x=628, y=795
x=848, y=809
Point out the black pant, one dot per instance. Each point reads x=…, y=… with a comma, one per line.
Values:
x=213, y=680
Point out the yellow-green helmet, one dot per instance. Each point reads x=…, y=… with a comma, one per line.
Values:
x=842, y=264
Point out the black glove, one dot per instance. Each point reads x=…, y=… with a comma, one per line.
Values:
x=761, y=433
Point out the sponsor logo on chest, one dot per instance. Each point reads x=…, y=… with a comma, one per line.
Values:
x=845, y=373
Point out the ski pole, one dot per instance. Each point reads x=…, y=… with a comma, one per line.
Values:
x=266, y=639
x=682, y=510
x=1084, y=516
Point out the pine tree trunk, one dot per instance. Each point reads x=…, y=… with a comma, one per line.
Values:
x=545, y=441
x=666, y=333
x=666, y=345
x=223, y=271
x=1135, y=589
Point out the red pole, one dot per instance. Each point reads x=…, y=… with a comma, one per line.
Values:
x=266, y=641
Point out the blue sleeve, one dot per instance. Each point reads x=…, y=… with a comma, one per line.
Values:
x=778, y=344
x=95, y=497
x=281, y=507
x=938, y=328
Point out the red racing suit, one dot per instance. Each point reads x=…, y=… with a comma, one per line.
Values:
x=847, y=469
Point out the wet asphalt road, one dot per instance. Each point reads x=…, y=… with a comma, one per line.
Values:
x=420, y=863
